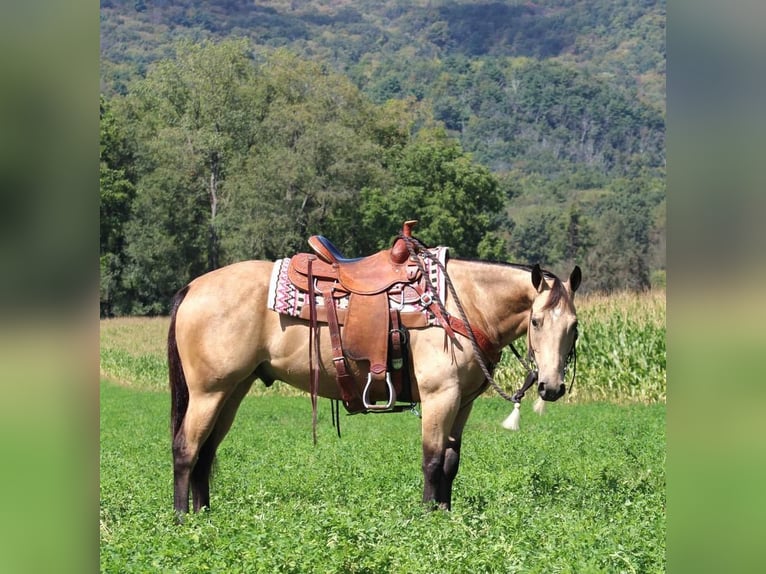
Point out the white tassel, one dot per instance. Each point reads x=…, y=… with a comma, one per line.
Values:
x=512, y=422
x=539, y=406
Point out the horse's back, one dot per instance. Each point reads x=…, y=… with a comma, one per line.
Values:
x=238, y=279
x=225, y=331
x=229, y=292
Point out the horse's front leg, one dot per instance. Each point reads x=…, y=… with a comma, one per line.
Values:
x=441, y=452
x=452, y=453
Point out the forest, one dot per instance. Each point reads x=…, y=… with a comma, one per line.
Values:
x=513, y=131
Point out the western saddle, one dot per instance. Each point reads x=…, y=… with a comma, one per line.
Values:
x=374, y=338
x=372, y=331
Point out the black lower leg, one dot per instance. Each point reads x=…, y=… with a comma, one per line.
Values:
x=181, y=476
x=433, y=477
x=200, y=475
x=451, y=463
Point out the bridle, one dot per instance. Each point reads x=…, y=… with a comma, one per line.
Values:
x=530, y=365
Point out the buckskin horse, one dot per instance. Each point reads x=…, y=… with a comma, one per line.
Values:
x=223, y=335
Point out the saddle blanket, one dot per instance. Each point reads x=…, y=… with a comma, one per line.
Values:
x=286, y=299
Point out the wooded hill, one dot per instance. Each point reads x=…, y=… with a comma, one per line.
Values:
x=555, y=109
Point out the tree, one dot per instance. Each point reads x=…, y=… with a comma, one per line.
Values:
x=620, y=258
x=236, y=160
x=116, y=190
x=578, y=236
x=166, y=236
x=454, y=199
x=319, y=142
x=538, y=238
x=194, y=118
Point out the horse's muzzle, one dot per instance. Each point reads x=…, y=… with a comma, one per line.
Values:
x=548, y=395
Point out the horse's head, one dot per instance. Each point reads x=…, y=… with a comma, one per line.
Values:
x=552, y=330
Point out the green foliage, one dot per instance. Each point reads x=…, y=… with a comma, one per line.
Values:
x=581, y=489
x=241, y=160
x=307, y=118
x=117, y=192
x=621, y=349
x=319, y=142
x=622, y=39
x=146, y=370
x=559, y=116
x=453, y=198
x=538, y=238
x=625, y=228
x=189, y=121
x=166, y=235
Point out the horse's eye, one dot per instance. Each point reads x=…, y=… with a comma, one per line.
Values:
x=535, y=323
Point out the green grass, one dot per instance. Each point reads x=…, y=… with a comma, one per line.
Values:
x=580, y=489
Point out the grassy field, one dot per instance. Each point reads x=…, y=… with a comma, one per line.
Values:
x=580, y=489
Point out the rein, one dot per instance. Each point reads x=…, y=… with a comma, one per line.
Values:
x=527, y=363
x=415, y=246
x=531, y=374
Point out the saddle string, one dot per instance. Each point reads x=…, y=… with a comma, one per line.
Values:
x=335, y=410
x=313, y=351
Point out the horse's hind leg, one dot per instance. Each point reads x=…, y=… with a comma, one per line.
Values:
x=198, y=422
x=200, y=474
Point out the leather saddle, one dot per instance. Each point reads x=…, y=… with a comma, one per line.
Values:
x=373, y=336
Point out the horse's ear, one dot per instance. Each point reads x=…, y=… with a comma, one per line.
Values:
x=575, y=278
x=537, y=276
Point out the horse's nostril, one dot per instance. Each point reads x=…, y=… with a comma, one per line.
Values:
x=541, y=386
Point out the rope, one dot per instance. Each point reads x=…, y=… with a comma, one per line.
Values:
x=417, y=247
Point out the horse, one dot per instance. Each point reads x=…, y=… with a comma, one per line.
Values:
x=222, y=337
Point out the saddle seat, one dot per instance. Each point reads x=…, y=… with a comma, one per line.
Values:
x=328, y=252
x=367, y=275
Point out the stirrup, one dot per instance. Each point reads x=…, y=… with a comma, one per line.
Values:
x=391, y=395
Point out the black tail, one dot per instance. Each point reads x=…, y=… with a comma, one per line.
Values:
x=179, y=392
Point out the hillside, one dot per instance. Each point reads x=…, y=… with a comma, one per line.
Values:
x=621, y=40
x=466, y=58
x=563, y=101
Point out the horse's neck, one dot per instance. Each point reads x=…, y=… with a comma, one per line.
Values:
x=496, y=298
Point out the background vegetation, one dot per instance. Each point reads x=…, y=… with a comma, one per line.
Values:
x=529, y=132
